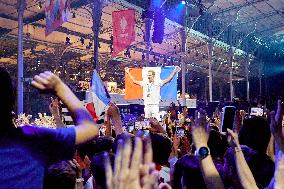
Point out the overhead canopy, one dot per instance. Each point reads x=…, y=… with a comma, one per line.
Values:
x=254, y=24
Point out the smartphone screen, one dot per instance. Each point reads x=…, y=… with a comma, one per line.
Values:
x=138, y=125
x=228, y=118
x=256, y=112
x=180, y=131
x=145, y=132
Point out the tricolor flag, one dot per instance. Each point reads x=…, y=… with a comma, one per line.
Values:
x=56, y=13
x=123, y=30
x=98, y=98
x=162, y=91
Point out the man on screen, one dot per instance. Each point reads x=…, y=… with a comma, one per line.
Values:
x=151, y=91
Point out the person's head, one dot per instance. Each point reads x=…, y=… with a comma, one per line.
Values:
x=104, y=144
x=184, y=110
x=229, y=168
x=255, y=133
x=100, y=144
x=162, y=147
x=151, y=75
x=187, y=174
x=86, y=152
x=7, y=97
x=262, y=168
x=123, y=138
x=60, y=175
x=98, y=169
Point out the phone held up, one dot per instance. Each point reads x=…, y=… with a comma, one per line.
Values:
x=180, y=132
x=228, y=118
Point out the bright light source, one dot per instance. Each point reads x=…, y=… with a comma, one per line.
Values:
x=183, y=2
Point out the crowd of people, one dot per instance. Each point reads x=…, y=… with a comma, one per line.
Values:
x=181, y=152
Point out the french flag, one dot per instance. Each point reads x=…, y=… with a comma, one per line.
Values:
x=97, y=98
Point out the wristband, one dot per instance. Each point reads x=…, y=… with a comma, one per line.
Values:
x=238, y=150
x=80, y=180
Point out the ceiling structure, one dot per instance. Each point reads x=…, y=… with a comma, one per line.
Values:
x=253, y=26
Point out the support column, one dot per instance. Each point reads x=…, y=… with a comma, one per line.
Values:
x=231, y=74
x=183, y=64
x=148, y=24
x=210, y=54
x=247, y=76
x=260, y=78
x=96, y=13
x=20, y=93
x=231, y=57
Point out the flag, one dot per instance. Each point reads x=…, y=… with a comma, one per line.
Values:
x=123, y=30
x=167, y=91
x=56, y=13
x=98, y=98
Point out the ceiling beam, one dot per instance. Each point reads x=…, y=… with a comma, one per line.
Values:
x=256, y=18
x=271, y=28
x=247, y=3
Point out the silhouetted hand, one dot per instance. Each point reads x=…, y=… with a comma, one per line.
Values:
x=136, y=171
x=276, y=126
x=233, y=139
x=54, y=106
x=199, y=132
x=47, y=81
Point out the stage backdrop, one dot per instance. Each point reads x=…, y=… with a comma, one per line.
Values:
x=168, y=91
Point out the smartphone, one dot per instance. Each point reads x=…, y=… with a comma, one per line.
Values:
x=138, y=125
x=228, y=118
x=130, y=128
x=256, y=112
x=146, y=124
x=180, y=131
x=145, y=132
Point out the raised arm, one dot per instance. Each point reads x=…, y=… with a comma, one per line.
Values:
x=245, y=175
x=85, y=128
x=177, y=69
x=278, y=132
x=200, y=137
x=127, y=70
x=54, y=110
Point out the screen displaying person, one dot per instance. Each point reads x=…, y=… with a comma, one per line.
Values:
x=151, y=91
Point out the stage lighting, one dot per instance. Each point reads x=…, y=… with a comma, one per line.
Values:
x=183, y=2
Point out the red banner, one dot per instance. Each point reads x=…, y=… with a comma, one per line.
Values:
x=56, y=13
x=123, y=30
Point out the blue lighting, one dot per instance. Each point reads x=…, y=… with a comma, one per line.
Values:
x=183, y=2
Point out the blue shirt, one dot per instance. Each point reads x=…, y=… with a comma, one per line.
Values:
x=25, y=152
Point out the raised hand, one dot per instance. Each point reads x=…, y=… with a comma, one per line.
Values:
x=176, y=143
x=54, y=106
x=276, y=126
x=199, y=132
x=279, y=171
x=233, y=139
x=177, y=68
x=136, y=171
x=47, y=81
x=155, y=126
x=113, y=111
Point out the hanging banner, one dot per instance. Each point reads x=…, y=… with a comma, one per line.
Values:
x=56, y=13
x=123, y=30
x=151, y=83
